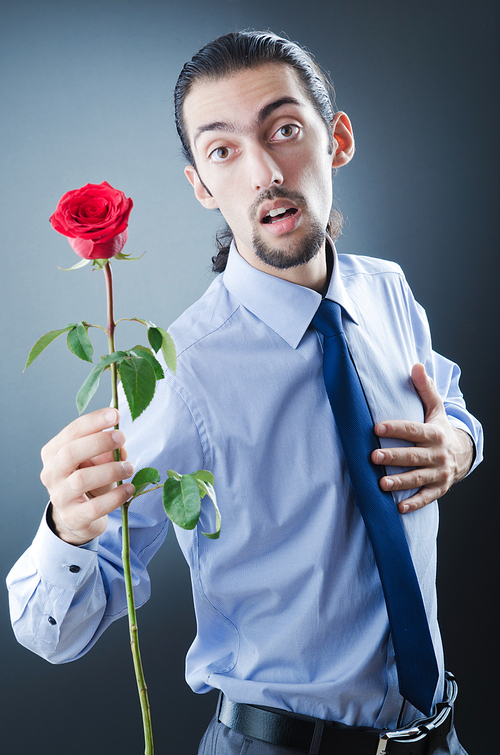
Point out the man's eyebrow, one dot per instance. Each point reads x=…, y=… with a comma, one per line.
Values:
x=268, y=109
x=264, y=113
x=215, y=126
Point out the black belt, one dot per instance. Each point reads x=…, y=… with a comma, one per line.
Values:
x=317, y=737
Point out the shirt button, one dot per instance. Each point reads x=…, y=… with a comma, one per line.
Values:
x=74, y=569
x=51, y=620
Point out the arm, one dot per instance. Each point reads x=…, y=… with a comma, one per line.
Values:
x=83, y=603
x=56, y=587
x=441, y=455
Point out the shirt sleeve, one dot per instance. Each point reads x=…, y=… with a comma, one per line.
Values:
x=63, y=597
x=446, y=375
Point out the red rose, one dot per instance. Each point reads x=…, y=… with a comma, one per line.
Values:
x=95, y=219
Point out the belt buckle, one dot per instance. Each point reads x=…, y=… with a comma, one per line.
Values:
x=387, y=736
x=416, y=733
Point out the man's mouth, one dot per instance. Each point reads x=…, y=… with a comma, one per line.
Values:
x=279, y=210
x=279, y=213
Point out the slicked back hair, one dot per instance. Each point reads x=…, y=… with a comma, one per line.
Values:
x=238, y=51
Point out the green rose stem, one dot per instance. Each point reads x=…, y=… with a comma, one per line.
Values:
x=127, y=572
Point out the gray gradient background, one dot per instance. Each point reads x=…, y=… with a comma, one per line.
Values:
x=86, y=97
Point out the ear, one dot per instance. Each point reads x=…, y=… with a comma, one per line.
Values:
x=343, y=140
x=200, y=190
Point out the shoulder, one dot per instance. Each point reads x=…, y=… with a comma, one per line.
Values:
x=356, y=265
x=377, y=285
x=205, y=317
x=372, y=278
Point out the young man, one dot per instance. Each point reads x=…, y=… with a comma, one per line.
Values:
x=292, y=618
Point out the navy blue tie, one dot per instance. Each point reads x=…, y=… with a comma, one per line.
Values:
x=415, y=658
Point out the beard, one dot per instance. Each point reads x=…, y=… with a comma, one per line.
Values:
x=295, y=253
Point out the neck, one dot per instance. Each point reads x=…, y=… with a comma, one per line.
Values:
x=314, y=274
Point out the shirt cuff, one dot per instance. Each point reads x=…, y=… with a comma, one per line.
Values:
x=62, y=564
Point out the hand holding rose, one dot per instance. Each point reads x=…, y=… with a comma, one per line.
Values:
x=81, y=476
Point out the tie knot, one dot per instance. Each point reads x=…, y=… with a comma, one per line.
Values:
x=328, y=318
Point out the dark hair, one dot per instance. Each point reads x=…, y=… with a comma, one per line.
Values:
x=248, y=49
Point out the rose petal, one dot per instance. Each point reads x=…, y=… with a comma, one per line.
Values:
x=91, y=250
x=96, y=212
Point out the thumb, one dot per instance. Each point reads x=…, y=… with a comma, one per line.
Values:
x=426, y=389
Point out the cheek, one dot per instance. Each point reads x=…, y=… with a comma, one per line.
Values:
x=317, y=186
x=236, y=214
x=315, y=167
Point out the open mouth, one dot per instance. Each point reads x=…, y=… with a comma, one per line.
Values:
x=279, y=213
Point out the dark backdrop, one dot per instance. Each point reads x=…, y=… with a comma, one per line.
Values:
x=86, y=97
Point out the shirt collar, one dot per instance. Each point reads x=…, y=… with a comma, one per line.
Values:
x=285, y=307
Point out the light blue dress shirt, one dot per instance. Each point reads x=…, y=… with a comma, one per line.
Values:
x=289, y=607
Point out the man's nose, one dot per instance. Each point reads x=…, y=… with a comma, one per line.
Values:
x=264, y=170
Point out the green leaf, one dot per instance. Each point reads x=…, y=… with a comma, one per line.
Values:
x=208, y=489
x=122, y=256
x=148, y=354
x=79, y=342
x=167, y=343
x=182, y=502
x=204, y=475
x=116, y=356
x=145, y=477
x=88, y=388
x=91, y=383
x=155, y=338
x=174, y=474
x=139, y=383
x=168, y=350
x=44, y=341
x=82, y=263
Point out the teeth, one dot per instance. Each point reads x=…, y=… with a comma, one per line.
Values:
x=277, y=211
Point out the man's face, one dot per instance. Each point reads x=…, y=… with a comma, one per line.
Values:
x=262, y=151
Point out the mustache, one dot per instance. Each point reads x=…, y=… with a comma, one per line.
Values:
x=277, y=192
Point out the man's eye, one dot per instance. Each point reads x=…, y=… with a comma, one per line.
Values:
x=286, y=132
x=220, y=154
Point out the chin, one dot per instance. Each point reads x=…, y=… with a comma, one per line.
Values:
x=292, y=253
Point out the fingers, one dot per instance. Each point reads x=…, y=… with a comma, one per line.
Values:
x=438, y=455
x=78, y=523
x=428, y=455
x=413, y=432
x=426, y=389
x=420, y=379
x=419, y=500
x=416, y=478
x=79, y=452
x=87, y=424
x=428, y=458
x=432, y=483
x=91, y=479
x=82, y=477
x=430, y=467
x=108, y=456
x=418, y=432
